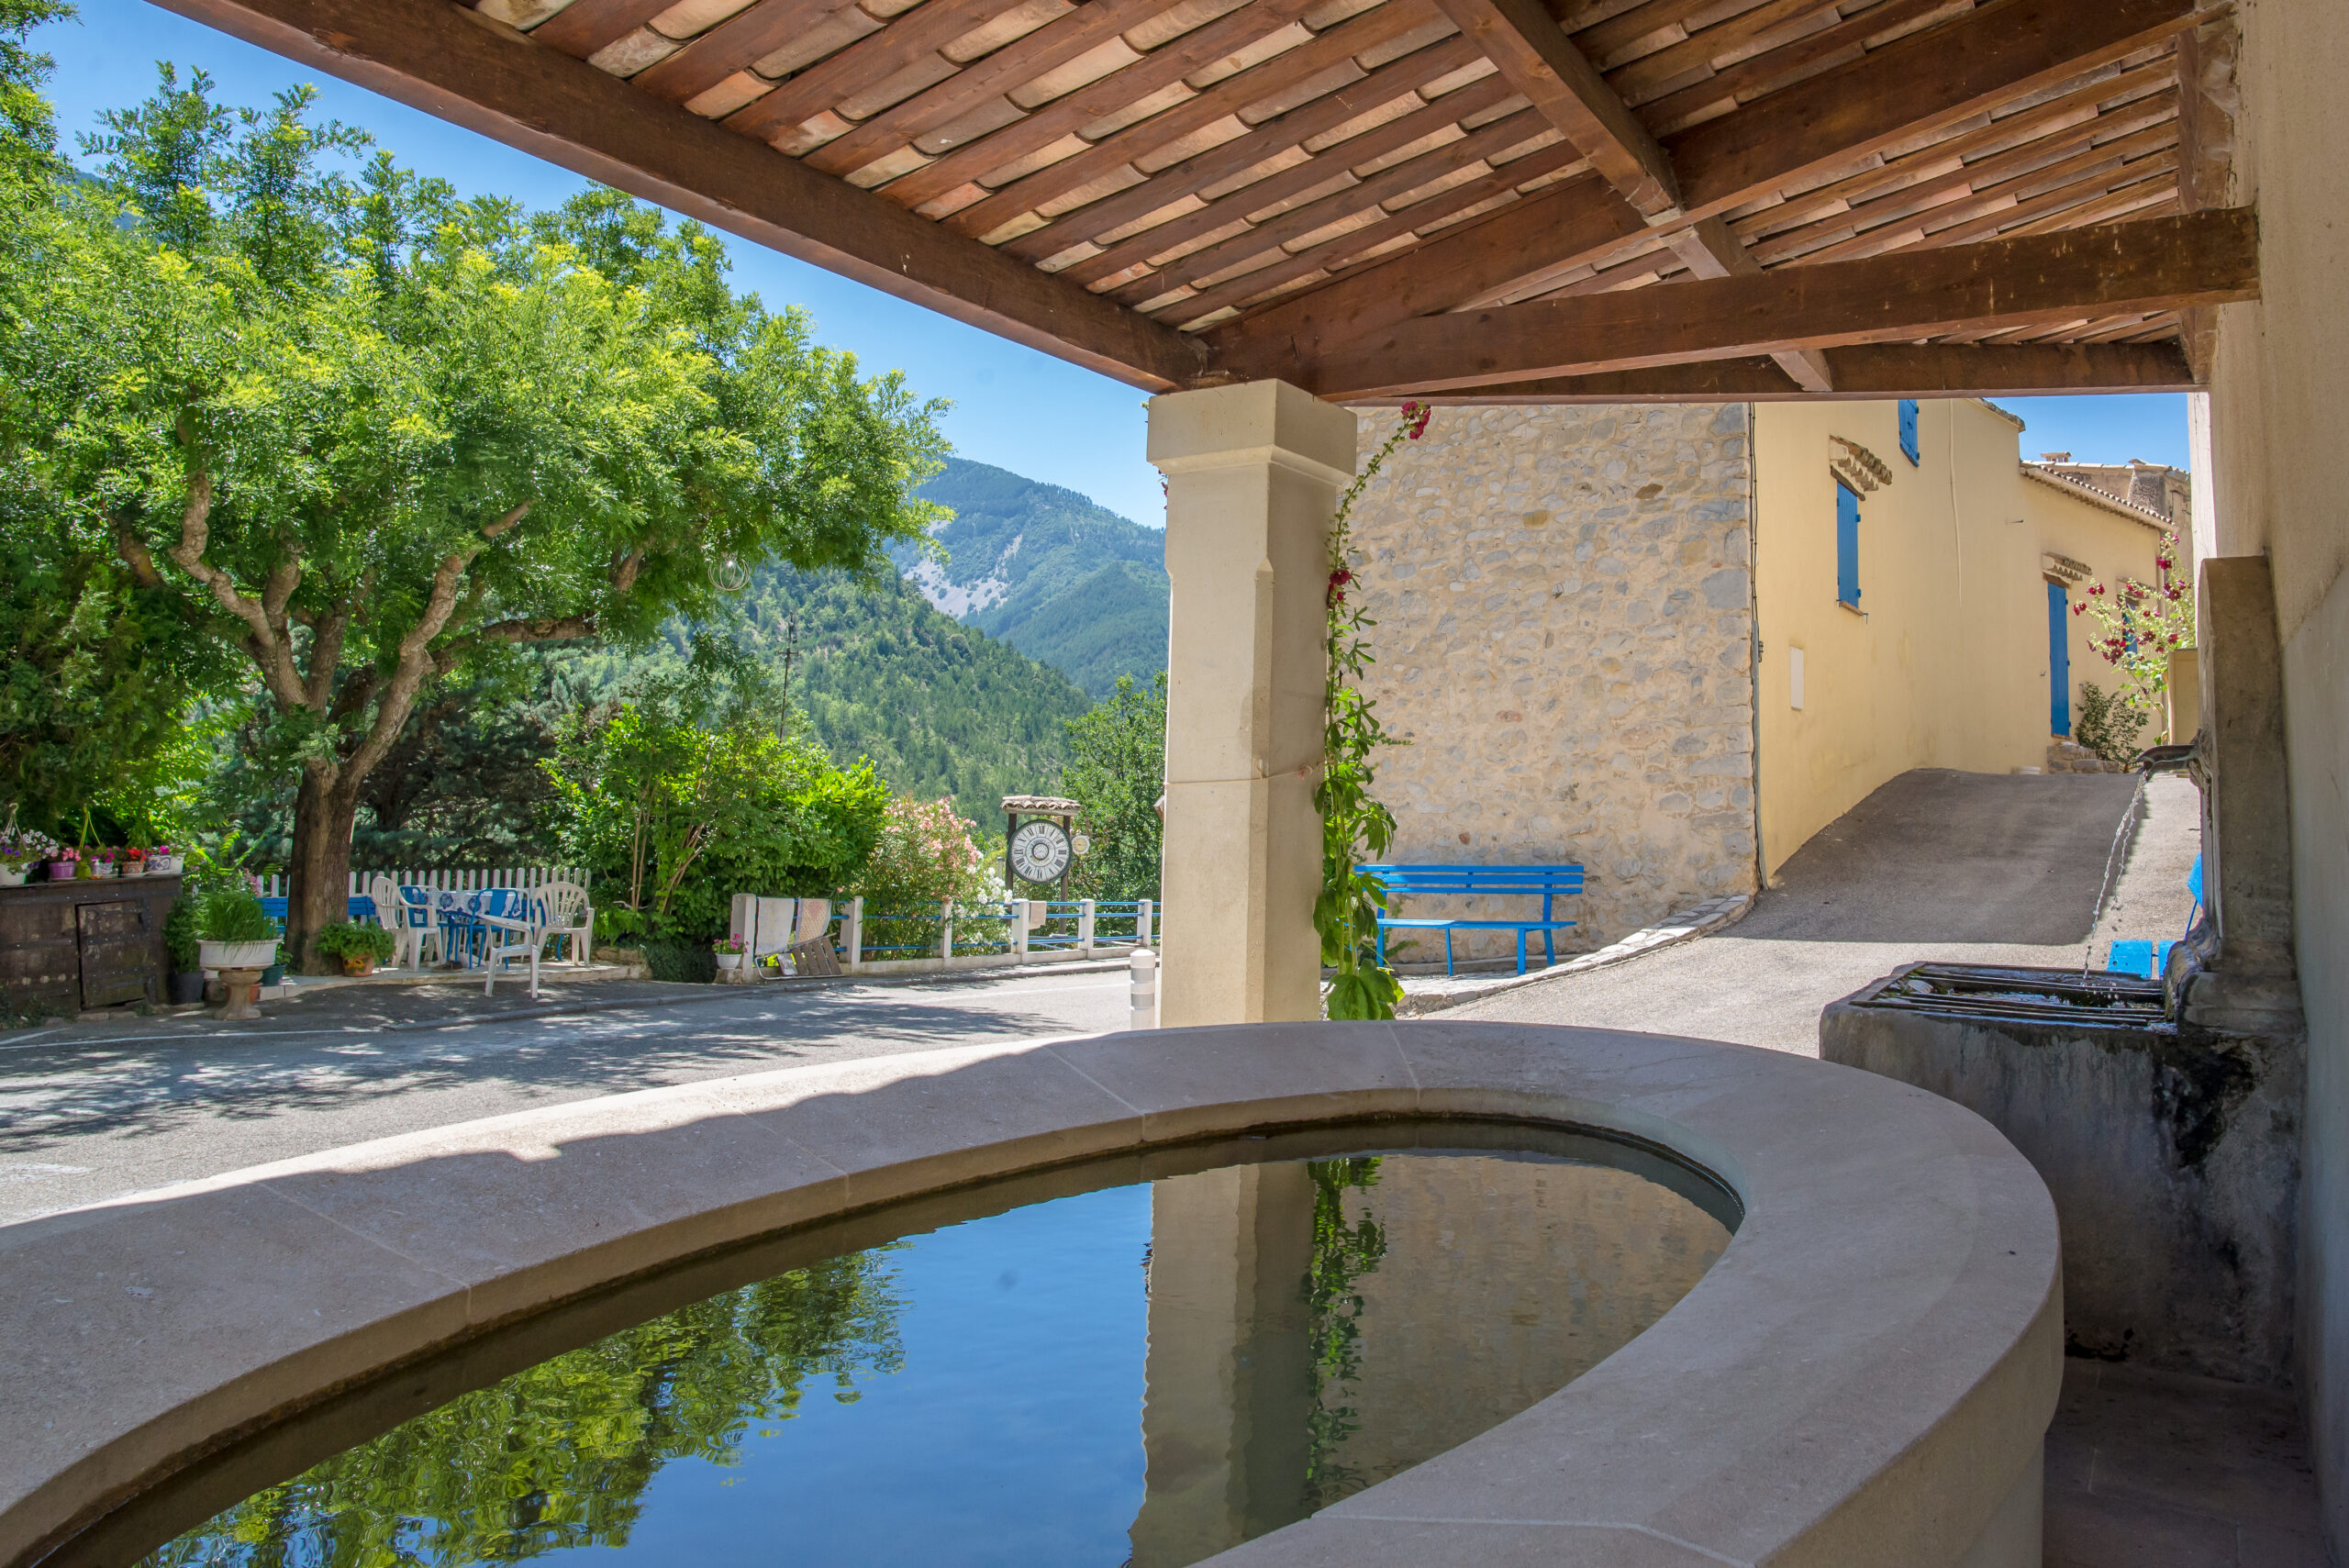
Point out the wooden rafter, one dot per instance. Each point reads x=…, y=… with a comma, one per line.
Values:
x=449, y=63
x=1525, y=42
x=1181, y=192
x=1997, y=55
x=1872, y=372
x=2208, y=258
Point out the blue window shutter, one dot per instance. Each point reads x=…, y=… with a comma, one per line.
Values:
x=1909, y=428
x=1847, y=544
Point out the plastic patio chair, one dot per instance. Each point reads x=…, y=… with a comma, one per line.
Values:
x=416, y=926
x=512, y=926
x=568, y=918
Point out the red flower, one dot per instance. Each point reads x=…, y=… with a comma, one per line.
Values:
x=1338, y=581
x=1415, y=418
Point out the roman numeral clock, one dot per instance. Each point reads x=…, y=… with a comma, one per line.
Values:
x=1041, y=850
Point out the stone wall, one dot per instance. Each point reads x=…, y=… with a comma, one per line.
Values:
x=1564, y=639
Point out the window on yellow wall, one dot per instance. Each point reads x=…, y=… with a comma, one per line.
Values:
x=1847, y=545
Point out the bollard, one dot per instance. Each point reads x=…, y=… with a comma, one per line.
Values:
x=1019, y=930
x=1142, y=1009
x=1141, y=923
x=1085, y=928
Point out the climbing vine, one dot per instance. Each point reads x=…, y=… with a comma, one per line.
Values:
x=1354, y=827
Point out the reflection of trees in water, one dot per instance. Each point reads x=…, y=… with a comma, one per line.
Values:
x=559, y=1455
x=1342, y=1255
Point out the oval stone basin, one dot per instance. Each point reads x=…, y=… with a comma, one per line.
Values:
x=1095, y=1371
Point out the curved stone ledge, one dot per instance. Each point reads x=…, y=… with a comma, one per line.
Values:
x=1864, y=1378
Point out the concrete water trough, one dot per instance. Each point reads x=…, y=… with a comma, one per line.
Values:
x=1864, y=1377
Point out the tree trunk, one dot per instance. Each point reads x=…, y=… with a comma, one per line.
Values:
x=318, y=880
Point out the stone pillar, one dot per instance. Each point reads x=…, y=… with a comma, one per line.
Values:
x=1229, y=1389
x=2250, y=984
x=1252, y=475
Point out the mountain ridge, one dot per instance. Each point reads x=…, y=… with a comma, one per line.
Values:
x=1051, y=572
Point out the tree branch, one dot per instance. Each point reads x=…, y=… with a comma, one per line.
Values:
x=491, y=531
x=416, y=665
x=137, y=556
x=268, y=649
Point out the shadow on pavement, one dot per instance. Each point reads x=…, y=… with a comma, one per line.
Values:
x=317, y=1061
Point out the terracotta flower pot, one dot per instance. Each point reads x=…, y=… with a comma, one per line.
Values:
x=358, y=963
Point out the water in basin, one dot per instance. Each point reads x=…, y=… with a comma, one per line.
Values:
x=1143, y=1374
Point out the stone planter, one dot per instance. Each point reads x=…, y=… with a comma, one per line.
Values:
x=728, y=962
x=238, y=955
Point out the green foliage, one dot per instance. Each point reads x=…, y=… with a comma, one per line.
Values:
x=366, y=433
x=354, y=939
x=179, y=933
x=233, y=914
x=1343, y=1253
x=2106, y=725
x=27, y=130
x=559, y=1456
x=939, y=708
x=1073, y=584
x=1355, y=827
x=692, y=789
x=1117, y=770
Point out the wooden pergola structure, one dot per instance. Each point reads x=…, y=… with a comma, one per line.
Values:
x=1478, y=200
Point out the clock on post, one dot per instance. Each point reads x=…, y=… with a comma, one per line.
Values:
x=1042, y=848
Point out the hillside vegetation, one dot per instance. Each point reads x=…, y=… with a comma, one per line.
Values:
x=939, y=707
x=1060, y=578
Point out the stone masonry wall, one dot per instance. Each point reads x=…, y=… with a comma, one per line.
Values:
x=1565, y=638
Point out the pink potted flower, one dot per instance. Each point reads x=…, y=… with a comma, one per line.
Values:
x=100, y=862
x=731, y=951
x=65, y=865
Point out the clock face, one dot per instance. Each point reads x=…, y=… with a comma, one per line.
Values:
x=1040, y=850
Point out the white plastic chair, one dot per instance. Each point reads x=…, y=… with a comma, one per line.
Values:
x=512, y=927
x=416, y=927
x=569, y=918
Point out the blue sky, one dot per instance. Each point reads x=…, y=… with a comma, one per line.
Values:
x=1013, y=407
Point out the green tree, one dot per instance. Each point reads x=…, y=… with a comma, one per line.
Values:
x=694, y=787
x=559, y=1455
x=370, y=432
x=1117, y=770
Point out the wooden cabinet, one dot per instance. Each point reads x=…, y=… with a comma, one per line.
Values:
x=70, y=947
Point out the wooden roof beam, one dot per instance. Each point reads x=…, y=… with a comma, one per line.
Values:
x=1539, y=61
x=453, y=62
x=1712, y=251
x=1873, y=371
x=1986, y=58
x=2207, y=258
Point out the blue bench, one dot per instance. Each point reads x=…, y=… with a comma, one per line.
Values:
x=1546, y=883
x=2147, y=960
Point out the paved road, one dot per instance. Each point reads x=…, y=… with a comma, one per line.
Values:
x=91, y=1112
x=1972, y=867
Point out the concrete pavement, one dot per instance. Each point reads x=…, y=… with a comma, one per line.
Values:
x=1968, y=868
x=89, y=1112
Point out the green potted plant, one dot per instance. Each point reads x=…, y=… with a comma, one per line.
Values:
x=21, y=848
x=186, y=982
x=731, y=951
x=234, y=932
x=359, y=947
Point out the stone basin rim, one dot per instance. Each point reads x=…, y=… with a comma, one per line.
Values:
x=1890, y=1309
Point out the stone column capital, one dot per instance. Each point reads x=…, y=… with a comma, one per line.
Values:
x=1256, y=423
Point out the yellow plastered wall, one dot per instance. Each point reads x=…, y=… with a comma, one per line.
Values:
x=1944, y=664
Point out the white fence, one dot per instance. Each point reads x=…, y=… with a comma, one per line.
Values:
x=467, y=880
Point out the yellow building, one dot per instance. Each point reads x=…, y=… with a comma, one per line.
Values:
x=1913, y=587
x=1671, y=644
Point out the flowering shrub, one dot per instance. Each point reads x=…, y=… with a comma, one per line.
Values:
x=21, y=847
x=924, y=855
x=2138, y=625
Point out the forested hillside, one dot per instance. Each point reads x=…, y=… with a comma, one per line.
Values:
x=939, y=706
x=1058, y=577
